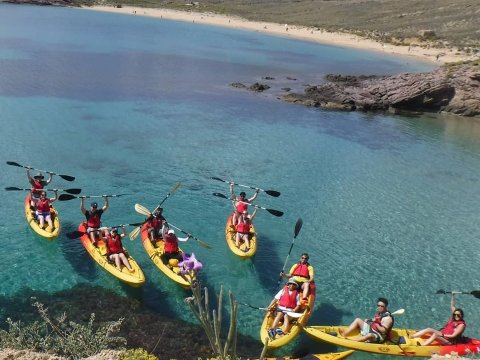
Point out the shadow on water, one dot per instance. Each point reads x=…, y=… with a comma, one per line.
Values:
x=268, y=263
x=76, y=255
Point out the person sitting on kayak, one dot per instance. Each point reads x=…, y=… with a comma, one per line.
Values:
x=38, y=184
x=155, y=224
x=171, y=249
x=451, y=332
x=373, y=330
x=240, y=204
x=93, y=218
x=287, y=299
x=43, y=212
x=243, y=229
x=115, y=251
x=303, y=274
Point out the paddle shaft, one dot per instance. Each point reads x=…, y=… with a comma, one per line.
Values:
x=289, y=313
x=177, y=185
x=65, y=177
x=202, y=243
x=298, y=226
x=65, y=197
x=70, y=191
x=274, y=212
x=269, y=192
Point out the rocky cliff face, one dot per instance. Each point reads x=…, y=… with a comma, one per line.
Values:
x=451, y=88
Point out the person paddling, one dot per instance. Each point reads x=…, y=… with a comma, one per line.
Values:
x=43, y=212
x=171, y=249
x=155, y=224
x=38, y=184
x=303, y=273
x=115, y=251
x=93, y=217
x=451, y=333
x=243, y=229
x=287, y=299
x=240, y=203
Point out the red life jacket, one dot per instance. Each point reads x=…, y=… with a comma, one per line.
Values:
x=171, y=243
x=377, y=321
x=43, y=206
x=94, y=220
x=114, y=244
x=450, y=326
x=289, y=300
x=243, y=227
x=301, y=270
x=37, y=186
x=241, y=206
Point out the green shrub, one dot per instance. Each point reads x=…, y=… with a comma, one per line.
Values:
x=136, y=354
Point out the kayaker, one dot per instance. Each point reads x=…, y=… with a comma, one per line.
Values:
x=287, y=299
x=240, y=203
x=115, y=251
x=155, y=224
x=243, y=229
x=451, y=332
x=303, y=273
x=171, y=249
x=374, y=330
x=43, y=212
x=93, y=217
x=38, y=184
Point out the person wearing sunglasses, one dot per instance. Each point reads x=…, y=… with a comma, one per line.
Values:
x=451, y=333
x=374, y=330
x=303, y=273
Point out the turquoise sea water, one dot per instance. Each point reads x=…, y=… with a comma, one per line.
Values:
x=133, y=105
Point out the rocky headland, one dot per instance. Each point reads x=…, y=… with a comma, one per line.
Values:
x=452, y=88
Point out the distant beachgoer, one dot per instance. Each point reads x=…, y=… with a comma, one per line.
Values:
x=374, y=330
x=450, y=333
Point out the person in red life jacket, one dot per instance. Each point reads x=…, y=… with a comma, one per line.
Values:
x=171, y=249
x=451, y=332
x=303, y=273
x=373, y=330
x=93, y=217
x=38, y=184
x=115, y=251
x=240, y=203
x=43, y=212
x=243, y=229
x=155, y=224
x=287, y=299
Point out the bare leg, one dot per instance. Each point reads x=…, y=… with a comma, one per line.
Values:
x=356, y=324
x=125, y=261
x=41, y=220
x=49, y=221
x=238, y=237
x=277, y=320
x=423, y=332
x=305, y=288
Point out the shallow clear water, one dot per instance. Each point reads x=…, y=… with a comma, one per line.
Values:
x=133, y=105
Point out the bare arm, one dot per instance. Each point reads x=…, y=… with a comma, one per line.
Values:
x=30, y=179
x=55, y=191
x=232, y=192
x=254, y=196
x=49, y=180
x=452, y=303
x=82, y=208
x=105, y=206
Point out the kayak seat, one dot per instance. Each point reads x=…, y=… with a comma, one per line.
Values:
x=401, y=340
x=332, y=333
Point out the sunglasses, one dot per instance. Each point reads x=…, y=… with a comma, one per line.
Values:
x=457, y=314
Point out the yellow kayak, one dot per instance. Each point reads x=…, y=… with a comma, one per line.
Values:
x=399, y=343
x=281, y=340
x=230, y=232
x=99, y=254
x=34, y=224
x=154, y=252
x=334, y=356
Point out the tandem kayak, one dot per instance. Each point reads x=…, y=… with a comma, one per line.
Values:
x=34, y=224
x=297, y=325
x=230, y=232
x=99, y=254
x=155, y=250
x=334, y=356
x=399, y=343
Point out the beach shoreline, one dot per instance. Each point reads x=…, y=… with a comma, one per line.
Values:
x=437, y=56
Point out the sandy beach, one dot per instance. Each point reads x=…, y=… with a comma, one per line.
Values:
x=439, y=56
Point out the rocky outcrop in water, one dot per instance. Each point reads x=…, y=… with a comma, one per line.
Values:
x=450, y=88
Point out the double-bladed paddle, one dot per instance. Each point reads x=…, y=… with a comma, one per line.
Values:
x=76, y=234
x=292, y=314
x=70, y=191
x=475, y=293
x=274, y=212
x=65, y=177
x=200, y=242
x=269, y=192
x=298, y=226
x=65, y=197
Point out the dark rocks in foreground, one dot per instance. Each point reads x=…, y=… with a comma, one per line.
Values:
x=450, y=88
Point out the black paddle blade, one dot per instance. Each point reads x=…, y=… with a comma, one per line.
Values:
x=73, y=191
x=13, y=163
x=75, y=234
x=275, y=212
x=298, y=226
x=65, y=197
x=475, y=293
x=67, y=177
x=441, y=291
x=220, y=195
x=273, y=193
x=10, y=188
x=216, y=178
